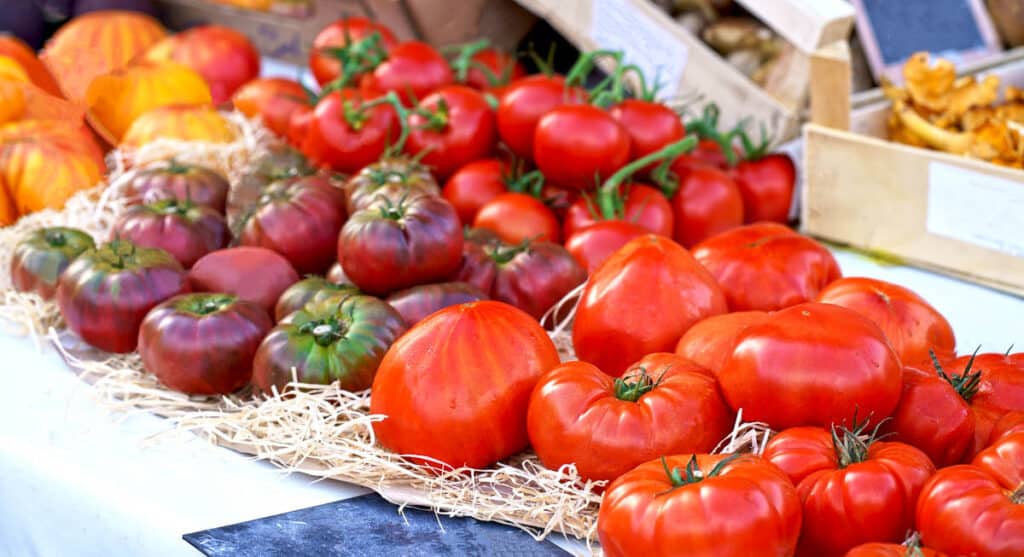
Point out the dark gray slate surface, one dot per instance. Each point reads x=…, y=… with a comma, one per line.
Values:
x=366, y=525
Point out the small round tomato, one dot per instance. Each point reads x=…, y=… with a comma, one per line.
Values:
x=412, y=70
x=489, y=68
x=766, y=266
x=854, y=489
x=523, y=104
x=466, y=417
x=325, y=63
x=392, y=178
x=184, y=230
x=474, y=185
x=298, y=126
x=710, y=342
x=416, y=303
x=592, y=245
x=575, y=145
x=106, y=292
x=999, y=389
x=390, y=246
x=708, y=152
x=812, y=364
x=231, y=271
x=309, y=289
x=933, y=415
x=450, y=128
x=341, y=338
x=912, y=325
x=347, y=136
x=651, y=125
x=272, y=100
x=40, y=259
x=767, y=187
x=518, y=216
x=700, y=506
x=184, y=182
x=299, y=218
x=640, y=204
x=663, y=404
x=707, y=203
x=622, y=316
x=203, y=344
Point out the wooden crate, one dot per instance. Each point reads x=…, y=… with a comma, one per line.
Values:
x=693, y=71
x=943, y=212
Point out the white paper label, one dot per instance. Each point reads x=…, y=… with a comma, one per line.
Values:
x=620, y=25
x=976, y=208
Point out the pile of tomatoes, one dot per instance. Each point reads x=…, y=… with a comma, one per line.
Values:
x=440, y=207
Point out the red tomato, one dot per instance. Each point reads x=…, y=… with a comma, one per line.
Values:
x=523, y=104
x=1011, y=422
x=708, y=152
x=853, y=490
x=641, y=204
x=298, y=126
x=340, y=34
x=474, y=185
x=465, y=418
x=650, y=125
x=518, y=216
x=622, y=316
x=491, y=68
x=225, y=58
x=934, y=416
x=976, y=509
x=700, y=506
x=575, y=145
x=558, y=198
x=711, y=341
x=767, y=187
x=592, y=245
x=878, y=549
x=912, y=325
x=812, y=364
x=272, y=100
x=664, y=404
x=1000, y=390
x=451, y=127
x=766, y=266
x=184, y=230
x=412, y=70
x=231, y=271
x=707, y=203
x=346, y=136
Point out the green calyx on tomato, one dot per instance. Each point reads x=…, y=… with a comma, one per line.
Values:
x=119, y=255
x=630, y=389
x=356, y=58
x=326, y=331
x=610, y=198
x=69, y=241
x=693, y=473
x=1017, y=497
x=706, y=127
x=204, y=303
x=851, y=444
x=965, y=384
x=753, y=151
x=171, y=206
x=436, y=119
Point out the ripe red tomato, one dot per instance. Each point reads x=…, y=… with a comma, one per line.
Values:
x=523, y=104
x=707, y=203
x=184, y=230
x=641, y=204
x=710, y=342
x=299, y=218
x=465, y=418
x=518, y=216
x=651, y=125
x=42, y=256
x=450, y=128
x=662, y=405
x=272, y=100
x=708, y=152
x=347, y=136
x=176, y=180
x=854, y=490
x=700, y=505
x=1011, y=422
x=231, y=271
x=878, y=549
x=310, y=289
x=976, y=509
x=416, y=303
x=340, y=34
x=106, y=292
x=575, y=145
x=592, y=245
x=474, y=185
x=203, y=344
x=298, y=126
x=812, y=364
x=622, y=317
x=912, y=325
x=490, y=68
x=390, y=246
x=412, y=70
x=767, y=187
x=766, y=266
x=1000, y=390
x=391, y=178
x=934, y=416
x=225, y=58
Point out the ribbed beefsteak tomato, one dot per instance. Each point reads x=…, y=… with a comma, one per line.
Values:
x=710, y=342
x=463, y=405
x=39, y=259
x=392, y=178
x=999, y=390
x=184, y=182
x=934, y=415
x=181, y=228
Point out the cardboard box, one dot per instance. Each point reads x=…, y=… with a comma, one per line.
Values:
x=935, y=210
x=692, y=71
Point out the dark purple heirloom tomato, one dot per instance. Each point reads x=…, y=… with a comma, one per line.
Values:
x=299, y=218
x=420, y=301
x=203, y=344
x=391, y=178
x=310, y=289
x=389, y=246
x=106, y=292
x=185, y=230
x=184, y=182
x=43, y=255
x=280, y=162
x=340, y=339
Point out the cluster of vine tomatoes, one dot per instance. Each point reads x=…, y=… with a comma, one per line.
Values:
x=477, y=198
